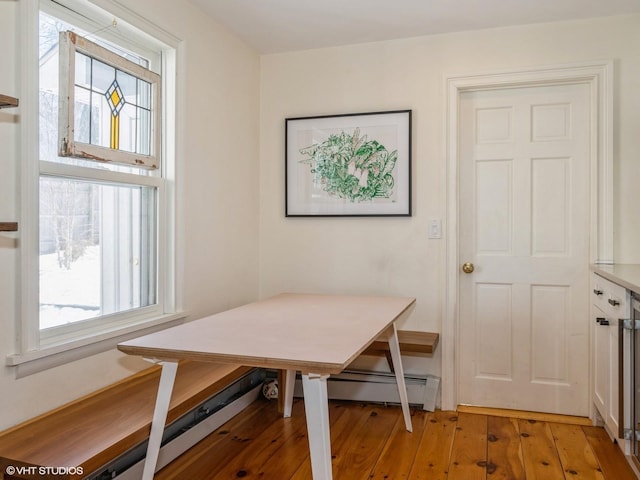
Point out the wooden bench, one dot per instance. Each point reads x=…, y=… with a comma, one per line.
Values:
x=411, y=343
x=96, y=429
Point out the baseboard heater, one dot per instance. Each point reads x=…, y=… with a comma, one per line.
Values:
x=189, y=429
x=365, y=386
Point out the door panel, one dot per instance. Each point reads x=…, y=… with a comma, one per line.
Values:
x=549, y=348
x=551, y=207
x=493, y=323
x=524, y=203
x=494, y=179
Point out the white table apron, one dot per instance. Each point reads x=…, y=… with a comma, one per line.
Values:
x=316, y=404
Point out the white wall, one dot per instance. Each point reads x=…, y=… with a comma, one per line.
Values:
x=217, y=195
x=394, y=255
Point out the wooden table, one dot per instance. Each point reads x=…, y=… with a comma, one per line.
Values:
x=318, y=335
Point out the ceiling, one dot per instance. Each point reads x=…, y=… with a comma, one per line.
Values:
x=272, y=26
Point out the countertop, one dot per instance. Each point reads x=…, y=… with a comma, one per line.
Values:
x=626, y=275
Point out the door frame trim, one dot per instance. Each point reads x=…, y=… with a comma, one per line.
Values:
x=599, y=77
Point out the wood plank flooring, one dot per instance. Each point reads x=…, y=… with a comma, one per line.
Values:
x=370, y=442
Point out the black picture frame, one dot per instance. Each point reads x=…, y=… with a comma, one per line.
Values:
x=355, y=164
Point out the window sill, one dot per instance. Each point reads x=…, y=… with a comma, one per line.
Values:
x=35, y=361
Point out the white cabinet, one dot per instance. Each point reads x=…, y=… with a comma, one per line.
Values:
x=609, y=306
x=603, y=363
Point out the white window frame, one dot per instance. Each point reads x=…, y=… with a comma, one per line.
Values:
x=33, y=351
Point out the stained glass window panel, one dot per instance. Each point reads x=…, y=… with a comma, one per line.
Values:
x=129, y=125
x=103, y=76
x=97, y=102
x=82, y=115
x=115, y=98
x=83, y=70
x=113, y=107
x=128, y=84
x=120, y=107
x=144, y=145
x=144, y=94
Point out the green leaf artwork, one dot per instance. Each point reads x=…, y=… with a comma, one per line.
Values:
x=352, y=167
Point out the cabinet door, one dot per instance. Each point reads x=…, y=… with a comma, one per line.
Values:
x=614, y=387
x=601, y=362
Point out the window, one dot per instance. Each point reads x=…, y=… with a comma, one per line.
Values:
x=102, y=179
x=97, y=249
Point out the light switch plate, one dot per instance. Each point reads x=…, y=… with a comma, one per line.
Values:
x=435, y=228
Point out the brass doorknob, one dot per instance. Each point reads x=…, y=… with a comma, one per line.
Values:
x=468, y=267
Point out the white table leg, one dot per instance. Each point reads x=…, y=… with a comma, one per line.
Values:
x=290, y=383
x=316, y=406
x=163, y=398
x=394, y=348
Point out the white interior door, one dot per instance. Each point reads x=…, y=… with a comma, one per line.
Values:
x=524, y=224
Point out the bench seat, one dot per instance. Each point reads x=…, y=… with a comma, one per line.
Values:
x=97, y=428
x=411, y=343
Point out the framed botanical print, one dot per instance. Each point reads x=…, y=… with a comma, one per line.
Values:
x=348, y=165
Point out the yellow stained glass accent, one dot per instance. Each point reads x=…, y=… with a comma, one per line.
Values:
x=115, y=98
x=115, y=132
x=116, y=101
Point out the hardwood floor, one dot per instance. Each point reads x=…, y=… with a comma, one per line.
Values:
x=370, y=442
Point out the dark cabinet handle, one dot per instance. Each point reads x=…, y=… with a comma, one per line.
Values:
x=613, y=302
x=597, y=292
x=602, y=321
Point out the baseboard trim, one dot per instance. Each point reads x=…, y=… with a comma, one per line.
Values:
x=526, y=415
